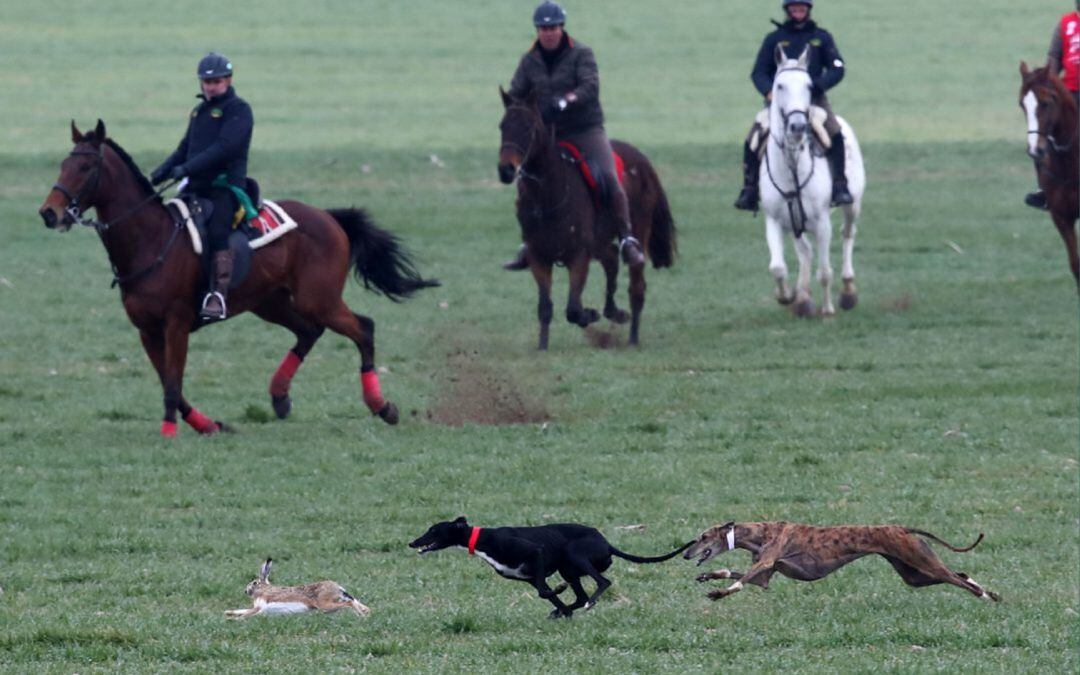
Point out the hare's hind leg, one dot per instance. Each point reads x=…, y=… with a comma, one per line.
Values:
x=242, y=613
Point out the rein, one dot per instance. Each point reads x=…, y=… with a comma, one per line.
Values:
x=538, y=213
x=793, y=197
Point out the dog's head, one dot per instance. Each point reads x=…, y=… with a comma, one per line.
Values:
x=712, y=541
x=443, y=535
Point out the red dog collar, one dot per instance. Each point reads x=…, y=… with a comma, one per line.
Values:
x=472, y=540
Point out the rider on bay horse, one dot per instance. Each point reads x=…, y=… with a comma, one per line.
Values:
x=213, y=155
x=826, y=70
x=1063, y=59
x=563, y=74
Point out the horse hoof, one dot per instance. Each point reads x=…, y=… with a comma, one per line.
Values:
x=785, y=299
x=389, y=414
x=804, y=308
x=618, y=316
x=848, y=301
x=282, y=406
x=220, y=428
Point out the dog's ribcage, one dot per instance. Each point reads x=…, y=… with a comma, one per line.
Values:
x=511, y=572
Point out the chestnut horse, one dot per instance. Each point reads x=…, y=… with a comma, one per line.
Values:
x=1051, y=112
x=560, y=223
x=295, y=282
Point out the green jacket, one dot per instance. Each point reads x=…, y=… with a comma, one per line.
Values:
x=573, y=71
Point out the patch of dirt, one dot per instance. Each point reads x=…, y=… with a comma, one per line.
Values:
x=474, y=392
x=604, y=338
x=901, y=303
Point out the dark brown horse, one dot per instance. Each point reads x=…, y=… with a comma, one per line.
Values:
x=296, y=281
x=1051, y=112
x=560, y=223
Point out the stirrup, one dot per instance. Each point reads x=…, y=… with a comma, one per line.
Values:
x=747, y=200
x=842, y=198
x=630, y=239
x=209, y=315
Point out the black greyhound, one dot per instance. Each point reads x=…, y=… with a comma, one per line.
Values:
x=533, y=554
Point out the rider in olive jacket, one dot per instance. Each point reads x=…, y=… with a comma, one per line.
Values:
x=563, y=75
x=826, y=68
x=213, y=155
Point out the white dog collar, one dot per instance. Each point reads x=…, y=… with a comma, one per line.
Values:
x=731, y=539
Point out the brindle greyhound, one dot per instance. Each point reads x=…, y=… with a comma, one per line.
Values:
x=808, y=553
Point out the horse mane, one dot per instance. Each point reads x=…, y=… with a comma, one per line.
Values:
x=142, y=180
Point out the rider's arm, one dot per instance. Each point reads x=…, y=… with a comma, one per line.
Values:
x=235, y=130
x=764, y=67
x=588, y=78
x=177, y=157
x=1056, y=52
x=832, y=64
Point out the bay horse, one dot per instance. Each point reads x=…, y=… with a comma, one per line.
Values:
x=559, y=218
x=296, y=281
x=1052, y=121
x=796, y=190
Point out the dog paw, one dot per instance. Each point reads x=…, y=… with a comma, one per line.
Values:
x=560, y=614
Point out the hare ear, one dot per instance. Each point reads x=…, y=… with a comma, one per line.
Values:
x=265, y=571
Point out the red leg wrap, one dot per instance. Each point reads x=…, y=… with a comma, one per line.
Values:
x=372, y=393
x=200, y=422
x=168, y=429
x=279, y=384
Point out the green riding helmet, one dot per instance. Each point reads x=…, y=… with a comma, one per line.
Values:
x=550, y=13
x=214, y=65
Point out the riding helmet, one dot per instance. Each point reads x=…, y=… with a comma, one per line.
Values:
x=214, y=65
x=549, y=13
x=808, y=3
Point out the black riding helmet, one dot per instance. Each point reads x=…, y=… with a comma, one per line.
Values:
x=808, y=3
x=214, y=65
x=549, y=13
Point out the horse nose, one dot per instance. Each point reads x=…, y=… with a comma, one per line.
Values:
x=798, y=127
x=49, y=216
x=506, y=173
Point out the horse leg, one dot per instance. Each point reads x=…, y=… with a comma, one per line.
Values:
x=637, y=300
x=774, y=237
x=544, y=308
x=168, y=352
x=823, y=241
x=804, y=250
x=610, y=263
x=577, y=313
x=1067, y=229
x=361, y=330
x=278, y=309
x=849, y=295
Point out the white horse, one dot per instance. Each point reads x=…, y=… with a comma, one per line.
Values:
x=796, y=188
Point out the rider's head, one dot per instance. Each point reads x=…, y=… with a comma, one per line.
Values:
x=799, y=10
x=549, y=17
x=215, y=74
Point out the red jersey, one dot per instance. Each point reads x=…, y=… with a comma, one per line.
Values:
x=1070, y=50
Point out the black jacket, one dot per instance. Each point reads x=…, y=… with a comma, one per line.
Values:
x=217, y=141
x=574, y=69
x=826, y=65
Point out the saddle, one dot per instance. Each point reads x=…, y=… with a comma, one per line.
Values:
x=589, y=171
x=269, y=224
x=760, y=132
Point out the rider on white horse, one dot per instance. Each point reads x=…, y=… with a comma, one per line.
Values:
x=826, y=68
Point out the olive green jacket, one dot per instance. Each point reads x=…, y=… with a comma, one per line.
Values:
x=574, y=71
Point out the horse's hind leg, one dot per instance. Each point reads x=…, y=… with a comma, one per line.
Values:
x=544, y=307
x=278, y=309
x=1067, y=229
x=577, y=313
x=774, y=237
x=637, y=300
x=611, y=273
x=361, y=330
x=849, y=295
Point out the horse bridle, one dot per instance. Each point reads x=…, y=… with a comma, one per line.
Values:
x=525, y=152
x=89, y=186
x=1041, y=163
x=792, y=197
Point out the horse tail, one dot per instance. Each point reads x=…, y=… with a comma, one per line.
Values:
x=663, y=242
x=943, y=542
x=378, y=258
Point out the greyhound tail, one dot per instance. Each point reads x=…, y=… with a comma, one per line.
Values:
x=659, y=558
x=943, y=542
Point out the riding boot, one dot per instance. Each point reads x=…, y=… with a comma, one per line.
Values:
x=1036, y=200
x=519, y=261
x=837, y=158
x=629, y=246
x=213, y=307
x=748, y=198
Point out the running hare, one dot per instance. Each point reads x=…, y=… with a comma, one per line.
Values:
x=325, y=596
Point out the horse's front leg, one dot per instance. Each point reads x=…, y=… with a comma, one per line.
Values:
x=823, y=241
x=774, y=237
x=576, y=312
x=1067, y=229
x=544, y=307
x=804, y=251
x=154, y=345
x=849, y=295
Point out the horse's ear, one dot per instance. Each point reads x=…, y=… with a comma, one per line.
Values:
x=779, y=55
x=804, y=58
x=76, y=135
x=1025, y=72
x=505, y=97
x=99, y=132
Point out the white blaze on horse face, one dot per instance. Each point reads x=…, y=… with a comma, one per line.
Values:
x=1031, y=104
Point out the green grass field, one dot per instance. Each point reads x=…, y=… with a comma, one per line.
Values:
x=947, y=400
